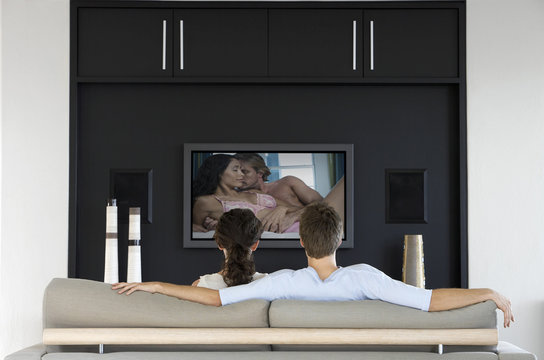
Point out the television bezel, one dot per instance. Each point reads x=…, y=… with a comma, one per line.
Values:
x=189, y=148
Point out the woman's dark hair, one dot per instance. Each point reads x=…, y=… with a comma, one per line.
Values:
x=236, y=231
x=209, y=174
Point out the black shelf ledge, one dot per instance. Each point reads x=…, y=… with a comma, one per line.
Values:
x=256, y=4
x=268, y=80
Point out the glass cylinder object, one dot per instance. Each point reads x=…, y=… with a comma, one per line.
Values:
x=413, y=267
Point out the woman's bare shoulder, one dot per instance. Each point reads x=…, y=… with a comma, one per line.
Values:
x=205, y=200
x=207, y=205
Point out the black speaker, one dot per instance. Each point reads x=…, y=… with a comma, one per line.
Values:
x=132, y=188
x=405, y=196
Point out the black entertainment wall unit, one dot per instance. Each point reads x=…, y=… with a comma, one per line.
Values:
x=388, y=78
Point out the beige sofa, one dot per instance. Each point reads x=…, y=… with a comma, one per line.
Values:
x=87, y=320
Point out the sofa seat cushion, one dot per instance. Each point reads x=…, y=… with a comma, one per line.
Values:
x=375, y=314
x=77, y=303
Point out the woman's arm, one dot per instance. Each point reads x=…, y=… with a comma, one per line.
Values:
x=191, y=293
x=447, y=299
x=206, y=207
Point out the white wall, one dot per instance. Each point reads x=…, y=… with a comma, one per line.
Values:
x=1, y=112
x=505, y=56
x=33, y=242
x=505, y=149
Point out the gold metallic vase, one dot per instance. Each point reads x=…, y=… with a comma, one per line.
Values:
x=413, y=267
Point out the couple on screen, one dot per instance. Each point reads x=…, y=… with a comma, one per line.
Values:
x=225, y=182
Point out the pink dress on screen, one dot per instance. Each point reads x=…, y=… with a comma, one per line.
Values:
x=264, y=201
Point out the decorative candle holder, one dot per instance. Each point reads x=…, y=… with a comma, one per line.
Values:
x=413, y=268
x=111, y=264
x=134, y=264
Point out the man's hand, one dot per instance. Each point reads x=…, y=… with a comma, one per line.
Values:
x=273, y=220
x=505, y=306
x=280, y=218
x=129, y=288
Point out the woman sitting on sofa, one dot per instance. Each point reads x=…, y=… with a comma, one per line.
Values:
x=237, y=234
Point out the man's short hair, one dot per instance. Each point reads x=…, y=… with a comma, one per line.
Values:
x=256, y=162
x=320, y=230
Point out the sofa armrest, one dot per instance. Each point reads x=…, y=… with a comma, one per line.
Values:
x=507, y=351
x=34, y=352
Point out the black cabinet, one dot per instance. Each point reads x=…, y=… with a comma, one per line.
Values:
x=315, y=42
x=220, y=42
x=240, y=42
x=411, y=43
x=124, y=42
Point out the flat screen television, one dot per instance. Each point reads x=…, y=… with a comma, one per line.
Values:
x=293, y=175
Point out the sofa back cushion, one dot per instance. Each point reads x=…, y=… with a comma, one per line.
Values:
x=375, y=314
x=81, y=303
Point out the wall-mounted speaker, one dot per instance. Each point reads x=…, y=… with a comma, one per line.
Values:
x=132, y=188
x=405, y=196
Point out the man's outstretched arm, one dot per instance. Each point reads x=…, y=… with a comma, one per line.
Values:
x=305, y=194
x=192, y=293
x=447, y=299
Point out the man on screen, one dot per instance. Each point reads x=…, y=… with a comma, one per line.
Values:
x=290, y=189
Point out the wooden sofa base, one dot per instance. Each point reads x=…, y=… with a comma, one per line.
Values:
x=283, y=336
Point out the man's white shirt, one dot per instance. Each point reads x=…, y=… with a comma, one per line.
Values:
x=356, y=282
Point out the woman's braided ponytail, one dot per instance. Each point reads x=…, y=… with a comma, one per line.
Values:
x=236, y=231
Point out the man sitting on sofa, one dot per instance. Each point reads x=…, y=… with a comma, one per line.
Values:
x=321, y=235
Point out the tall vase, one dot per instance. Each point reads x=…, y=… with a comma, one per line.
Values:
x=111, y=264
x=134, y=263
x=413, y=268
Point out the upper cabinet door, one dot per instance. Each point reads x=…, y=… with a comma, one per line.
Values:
x=220, y=42
x=411, y=43
x=124, y=42
x=324, y=42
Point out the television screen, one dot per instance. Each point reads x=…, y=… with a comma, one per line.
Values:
x=274, y=181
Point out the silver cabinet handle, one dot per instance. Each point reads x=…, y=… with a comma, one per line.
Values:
x=164, y=44
x=354, y=44
x=371, y=44
x=181, y=44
